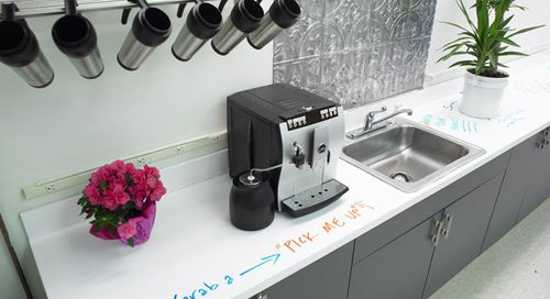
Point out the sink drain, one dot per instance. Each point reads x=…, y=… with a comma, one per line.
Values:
x=401, y=176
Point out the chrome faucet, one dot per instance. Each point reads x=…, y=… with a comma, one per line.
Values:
x=372, y=125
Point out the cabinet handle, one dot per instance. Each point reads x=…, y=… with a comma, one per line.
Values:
x=544, y=139
x=436, y=232
x=448, y=219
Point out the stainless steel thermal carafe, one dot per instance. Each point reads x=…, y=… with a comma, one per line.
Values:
x=283, y=14
x=203, y=22
x=20, y=50
x=245, y=18
x=75, y=36
x=151, y=27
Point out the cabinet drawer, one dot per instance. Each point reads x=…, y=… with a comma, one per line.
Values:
x=327, y=278
x=393, y=228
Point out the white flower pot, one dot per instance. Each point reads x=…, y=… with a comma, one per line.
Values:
x=482, y=95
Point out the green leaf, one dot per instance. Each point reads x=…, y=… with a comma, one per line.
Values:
x=486, y=40
x=525, y=30
x=463, y=63
x=460, y=40
x=512, y=53
x=131, y=242
x=509, y=42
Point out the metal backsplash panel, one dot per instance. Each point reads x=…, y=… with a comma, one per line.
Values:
x=356, y=51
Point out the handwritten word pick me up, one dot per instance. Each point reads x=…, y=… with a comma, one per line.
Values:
x=329, y=226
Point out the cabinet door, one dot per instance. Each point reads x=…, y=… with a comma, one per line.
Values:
x=513, y=189
x=327, y=278
x=469, y=220
x=396, y=271
x=10, y=285
x=538, y=188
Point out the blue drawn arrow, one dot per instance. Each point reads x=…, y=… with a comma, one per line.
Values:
x=271, y=258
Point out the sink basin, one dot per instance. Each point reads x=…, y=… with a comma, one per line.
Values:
x=408, y=156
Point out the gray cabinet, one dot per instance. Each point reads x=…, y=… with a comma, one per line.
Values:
x=328, y=278
x=514, y=187
x=398, y=270
x=465, y=224
x=405, y=221
x=420, y=261
x=401, y=259
x=538, y=186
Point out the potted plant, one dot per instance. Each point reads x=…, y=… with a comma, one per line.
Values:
x=121, y=202
x=481, y=44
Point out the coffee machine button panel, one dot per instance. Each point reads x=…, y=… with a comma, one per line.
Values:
x=312, y=117
x=297, y=122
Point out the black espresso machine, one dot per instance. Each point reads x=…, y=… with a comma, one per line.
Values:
x=295, y=136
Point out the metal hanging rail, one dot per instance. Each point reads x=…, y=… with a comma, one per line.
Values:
x=38, y=8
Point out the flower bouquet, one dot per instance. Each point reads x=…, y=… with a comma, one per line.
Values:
x=121, y=202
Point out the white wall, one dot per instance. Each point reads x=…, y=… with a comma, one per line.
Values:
x=447, y=10
x=77, y=124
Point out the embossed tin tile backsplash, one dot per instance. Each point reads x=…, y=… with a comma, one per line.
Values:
x=356, y=51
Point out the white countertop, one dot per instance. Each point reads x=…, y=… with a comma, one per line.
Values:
x=195, y=249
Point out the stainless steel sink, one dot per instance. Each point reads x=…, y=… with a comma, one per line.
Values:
x=408, y=156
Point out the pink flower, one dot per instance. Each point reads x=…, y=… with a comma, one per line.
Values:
x=109, y=203
x=114, y=185
x=119, y=194
x=92, y=194
x=158, y=193
x=151, y=171
x=127, y=230
x=152, y=182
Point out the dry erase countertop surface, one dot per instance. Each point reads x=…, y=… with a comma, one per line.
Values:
x=195, y=252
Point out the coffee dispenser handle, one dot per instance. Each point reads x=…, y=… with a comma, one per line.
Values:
x=299, y=157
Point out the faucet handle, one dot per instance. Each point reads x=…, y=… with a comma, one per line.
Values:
x=382, y=109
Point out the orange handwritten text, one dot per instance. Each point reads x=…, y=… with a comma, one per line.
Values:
x=329, y=226
x=354, y=212
x=295, y=243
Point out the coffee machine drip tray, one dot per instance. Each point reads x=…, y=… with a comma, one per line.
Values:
x=314, y=199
